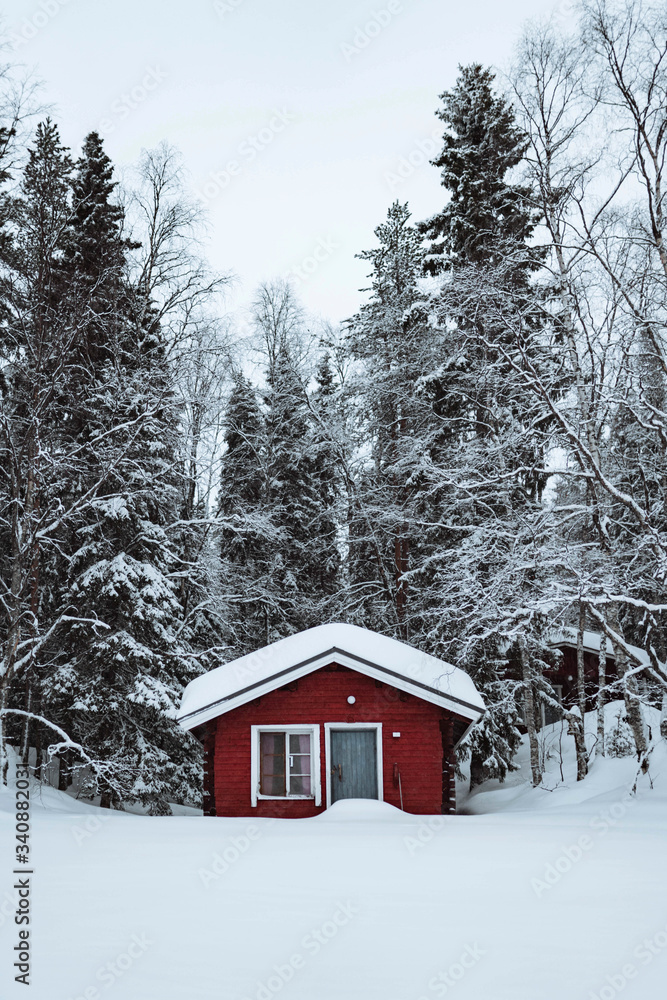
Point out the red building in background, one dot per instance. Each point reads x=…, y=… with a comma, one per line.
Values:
x=563, y=676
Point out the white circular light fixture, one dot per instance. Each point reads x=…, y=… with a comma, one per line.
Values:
x=351, y=700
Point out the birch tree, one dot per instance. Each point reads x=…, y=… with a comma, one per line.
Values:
x=599, y=176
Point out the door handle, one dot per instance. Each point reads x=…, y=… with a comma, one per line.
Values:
x=339, y=768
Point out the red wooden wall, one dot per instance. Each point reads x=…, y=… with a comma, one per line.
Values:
x=565, y=674
x=322, y=697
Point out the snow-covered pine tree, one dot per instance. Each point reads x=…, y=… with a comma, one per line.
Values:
x=303, y=562
x=279, y=488
x=327, y=479
x=117, y=685
x=36, y=340
x=391, y=339
x=247, y=532
x=487, y=454
x=7, y=135
x=487, y=216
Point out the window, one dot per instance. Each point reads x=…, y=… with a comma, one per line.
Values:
x=549, y=714
x=285, y=763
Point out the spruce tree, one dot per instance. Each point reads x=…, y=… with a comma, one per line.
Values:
x=327, y=479
x=36, y=342
x=488, y=216
x=117, y=684
x=247, y=533
x=486, y=473
x=303, y=558
x=391, y=338
x=278, y=506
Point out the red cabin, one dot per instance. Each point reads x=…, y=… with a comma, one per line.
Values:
x=331, y=713
x=563, y=677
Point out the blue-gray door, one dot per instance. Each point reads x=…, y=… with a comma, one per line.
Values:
x=354, y=766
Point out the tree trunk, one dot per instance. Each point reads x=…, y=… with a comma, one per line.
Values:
x=64, y=772
x=4, y=756
x=529, y=703
x=575, y=727
x=581, y=668
x=633, y=709
x=401, y=549
x=602, y=680
x=663, y=716
x=477, y=772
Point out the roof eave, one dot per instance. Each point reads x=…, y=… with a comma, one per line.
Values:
x=222, y=706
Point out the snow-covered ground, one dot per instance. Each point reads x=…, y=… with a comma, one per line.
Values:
x=529, y=895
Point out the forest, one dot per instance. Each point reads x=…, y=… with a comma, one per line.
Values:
x=475, y=458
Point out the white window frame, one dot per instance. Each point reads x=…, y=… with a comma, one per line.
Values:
x=313, y=730
x=377, y=726
x=558, y=691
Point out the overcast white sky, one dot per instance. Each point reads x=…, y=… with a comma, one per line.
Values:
x=314, y=104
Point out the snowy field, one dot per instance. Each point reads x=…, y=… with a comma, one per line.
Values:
x=530, y=895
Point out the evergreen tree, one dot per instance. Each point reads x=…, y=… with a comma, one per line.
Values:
x=326, y=478
x=486, y=473
x=279, y=490
x=392, y=339
x=97, y=252
x=487, y=216
x=116, y=685
x=304, y=561
x=35, y=345
x=247, y=533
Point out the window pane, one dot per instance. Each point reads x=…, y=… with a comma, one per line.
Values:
x=299, y=764
x=272, y=743
x=299, y=743
x=272, y=763
x=299, y=785
x=272, y=784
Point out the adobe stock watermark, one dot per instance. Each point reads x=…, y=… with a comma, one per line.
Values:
x=88, y=828
x=31, y=26
x=421, y=154
x=312, y=944
x=246, y=151
x=441, y=984
x=365, y=33
x=321, y=252
x=8, y=906
x=248, y=665
x=565, y=11
x=130, y=100
x=223, y=860
x=570, y=856
x=645, y=953
x=425, y=834
x=223, y=7
x=109, y=973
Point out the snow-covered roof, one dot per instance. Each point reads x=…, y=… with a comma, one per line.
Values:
x=568, y=637
x=370, y=653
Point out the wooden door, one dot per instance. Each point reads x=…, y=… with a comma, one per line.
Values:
x=353, y=764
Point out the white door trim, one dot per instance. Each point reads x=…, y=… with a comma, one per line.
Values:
x=377, y=726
